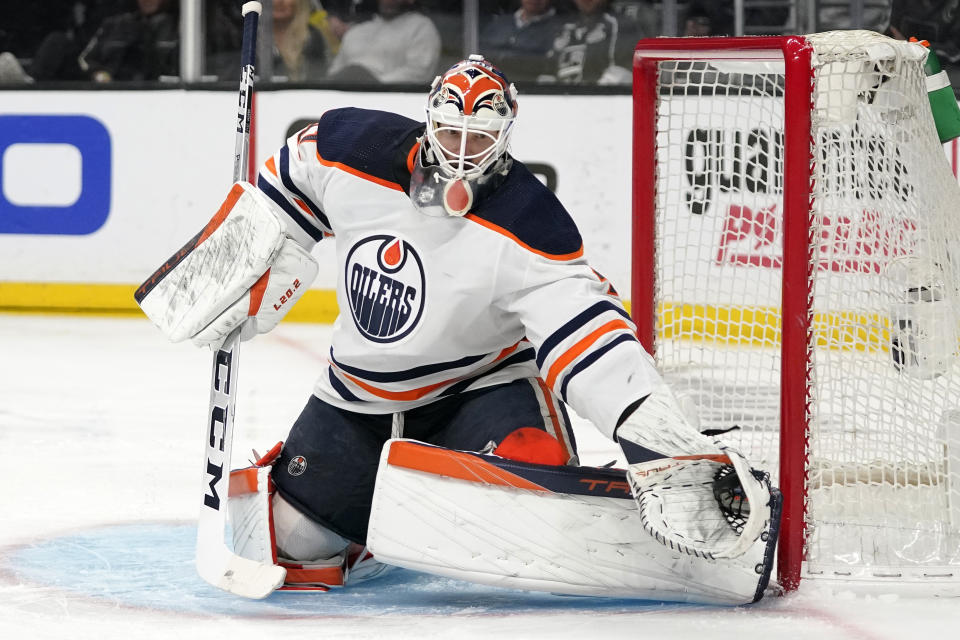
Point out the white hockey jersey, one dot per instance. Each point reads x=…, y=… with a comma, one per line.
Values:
x=432, y=306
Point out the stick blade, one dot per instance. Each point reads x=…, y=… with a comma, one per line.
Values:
x=240, y=576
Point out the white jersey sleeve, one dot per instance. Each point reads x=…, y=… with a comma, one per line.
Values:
x=587, y=349
x=293, y=180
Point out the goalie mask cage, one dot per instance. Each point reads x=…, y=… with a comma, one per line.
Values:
x=796, y=238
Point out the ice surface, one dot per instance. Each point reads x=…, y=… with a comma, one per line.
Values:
x=101, y=424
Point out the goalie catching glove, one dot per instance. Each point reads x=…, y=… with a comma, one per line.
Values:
x=694, y=493
x=240, y=270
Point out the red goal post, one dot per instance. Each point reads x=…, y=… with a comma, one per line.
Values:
x=809, y=123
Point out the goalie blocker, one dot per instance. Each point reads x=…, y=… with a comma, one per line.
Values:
x=241, y=269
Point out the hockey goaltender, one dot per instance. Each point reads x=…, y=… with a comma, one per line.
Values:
x=437, y=436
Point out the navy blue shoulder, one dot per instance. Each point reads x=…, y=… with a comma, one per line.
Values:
x=375, y=143
x=529, y=211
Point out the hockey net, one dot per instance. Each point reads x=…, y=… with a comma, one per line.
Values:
x=797, y=275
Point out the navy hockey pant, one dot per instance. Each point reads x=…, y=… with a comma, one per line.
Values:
x=329, y=461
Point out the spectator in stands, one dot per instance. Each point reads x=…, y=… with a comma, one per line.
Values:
x=138, y=45
x=447, y=17
x=697, y=23
x=222, y=34
x=583, y=49
x=518, y=42
x=938, y=22
x=637, y=19
x=718, y=18
x=24, y=25
x=71, y=26
x=22, y=28
x=398, y=44
x=713, y=18
x=11, y=71
x=334, y=17
x=351, y=11
x=874, y=15
x=300, y=51
x=330, y=26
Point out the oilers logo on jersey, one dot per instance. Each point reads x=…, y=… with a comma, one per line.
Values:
x=385, y=284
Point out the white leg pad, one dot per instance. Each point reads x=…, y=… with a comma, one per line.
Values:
x=470, y=517
x=250, y=516
x=252, y=522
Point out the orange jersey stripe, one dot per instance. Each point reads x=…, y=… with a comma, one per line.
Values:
x=358, y=173
x=454, y=464
x=489, y=225
x=561, y=363
x=307, y=131
x=412, y=394
x=558, y=431
x=411, y=156
x=503, y=354
x=271, y=166
x=303, y=206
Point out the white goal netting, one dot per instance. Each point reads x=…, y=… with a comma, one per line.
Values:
x=881, y=372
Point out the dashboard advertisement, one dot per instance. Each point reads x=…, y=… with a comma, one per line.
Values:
x=98, y=188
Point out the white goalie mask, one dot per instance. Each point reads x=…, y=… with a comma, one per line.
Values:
x=470, y=114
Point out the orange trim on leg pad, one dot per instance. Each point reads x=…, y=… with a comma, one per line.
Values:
x=454, y=464
x=244, y=481
x=270, y=456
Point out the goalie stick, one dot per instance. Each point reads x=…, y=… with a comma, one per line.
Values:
x=215, y=561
